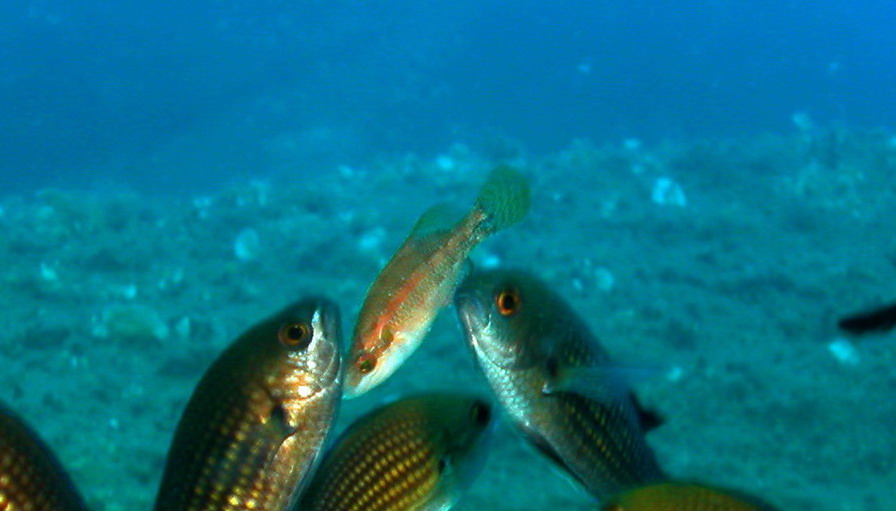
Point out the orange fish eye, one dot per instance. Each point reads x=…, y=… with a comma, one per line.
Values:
x=365, y=363
x=508, y=302
x=295, y=335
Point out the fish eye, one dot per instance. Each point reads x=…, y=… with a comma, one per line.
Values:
x=365, y=363
x=295, y=335
x=480, y=413
x=508, y=302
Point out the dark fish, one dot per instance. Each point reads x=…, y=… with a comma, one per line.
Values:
x=877, y=320
x=556, y=382
x=253, y=430
x=419, y=454
x=674, y=496
x=31, y=478
x=420, y=279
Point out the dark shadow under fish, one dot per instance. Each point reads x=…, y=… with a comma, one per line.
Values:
x=874, y=321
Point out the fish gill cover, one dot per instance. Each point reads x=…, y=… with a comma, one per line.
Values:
x=712, y=189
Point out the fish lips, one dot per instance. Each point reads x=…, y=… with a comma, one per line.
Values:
x=358, y=383
x=472, y=312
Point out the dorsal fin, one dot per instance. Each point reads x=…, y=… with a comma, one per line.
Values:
x=438, y=219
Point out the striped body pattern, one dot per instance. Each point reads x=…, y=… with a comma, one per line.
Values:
x=254, y=428
x=418, y=453
x=532, y=348
x=31, y=478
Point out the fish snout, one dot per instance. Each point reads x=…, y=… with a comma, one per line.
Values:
x=360, y=374
x=471, y=309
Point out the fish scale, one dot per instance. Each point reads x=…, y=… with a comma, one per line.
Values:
x=684, y=496
x=31, y=477
x=421, y=276
x=532, y=355
x=415, y=454
x=253, y=429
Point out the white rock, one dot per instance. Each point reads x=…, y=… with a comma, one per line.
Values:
x=844, y=352
x=247, y=245
x=667, y=192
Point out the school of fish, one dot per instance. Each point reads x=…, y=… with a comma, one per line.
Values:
x=254, y=435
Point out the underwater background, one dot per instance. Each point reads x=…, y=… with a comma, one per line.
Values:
x=714, y=184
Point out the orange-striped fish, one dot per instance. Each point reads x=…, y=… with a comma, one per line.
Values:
x=421, y=277
x=30, y=475
x=676, y=496
x=556, y=382
x=417, y=454
x=253, y=431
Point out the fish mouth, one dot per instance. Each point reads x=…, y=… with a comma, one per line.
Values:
x=474, y=317
x=471, y=310
x=357, y=383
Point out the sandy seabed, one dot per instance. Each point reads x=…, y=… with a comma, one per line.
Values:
x=725, y=263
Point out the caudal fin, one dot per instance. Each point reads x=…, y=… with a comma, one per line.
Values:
x=504, y=197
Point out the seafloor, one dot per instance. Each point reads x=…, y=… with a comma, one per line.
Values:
x=726, y=263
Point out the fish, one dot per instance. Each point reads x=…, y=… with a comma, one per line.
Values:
x=421, y=277
x=684, y=496
x=31, y=476
x=253, y=431
x=556, y=383
x=420, y=453
x=880, y=320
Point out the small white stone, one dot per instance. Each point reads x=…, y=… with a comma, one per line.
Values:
x=48, y=272
x=844, y=352
x=605, y=279
x=667, y=192
x=802, y=121
x=676, y=373
x=202, y=205
x=183, y=327
x=129, y=291
x=631, y=144
x=247, y=245
x=372, y=239
x=445, y=162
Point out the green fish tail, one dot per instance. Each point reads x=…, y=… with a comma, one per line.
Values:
x=504, y=197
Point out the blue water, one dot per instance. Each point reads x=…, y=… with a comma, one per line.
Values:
x=712, y=188
x=94, y=91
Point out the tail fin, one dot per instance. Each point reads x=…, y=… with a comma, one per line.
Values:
x=504, y=198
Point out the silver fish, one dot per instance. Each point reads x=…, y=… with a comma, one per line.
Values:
x=556, y=382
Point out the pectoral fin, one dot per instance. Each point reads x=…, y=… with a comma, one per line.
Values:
x=600, y=383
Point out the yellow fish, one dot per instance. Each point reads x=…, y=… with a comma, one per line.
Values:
x=421, y=277
x=674, y=496
x=417, y=454
x=30, y=475
x=254, y=429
